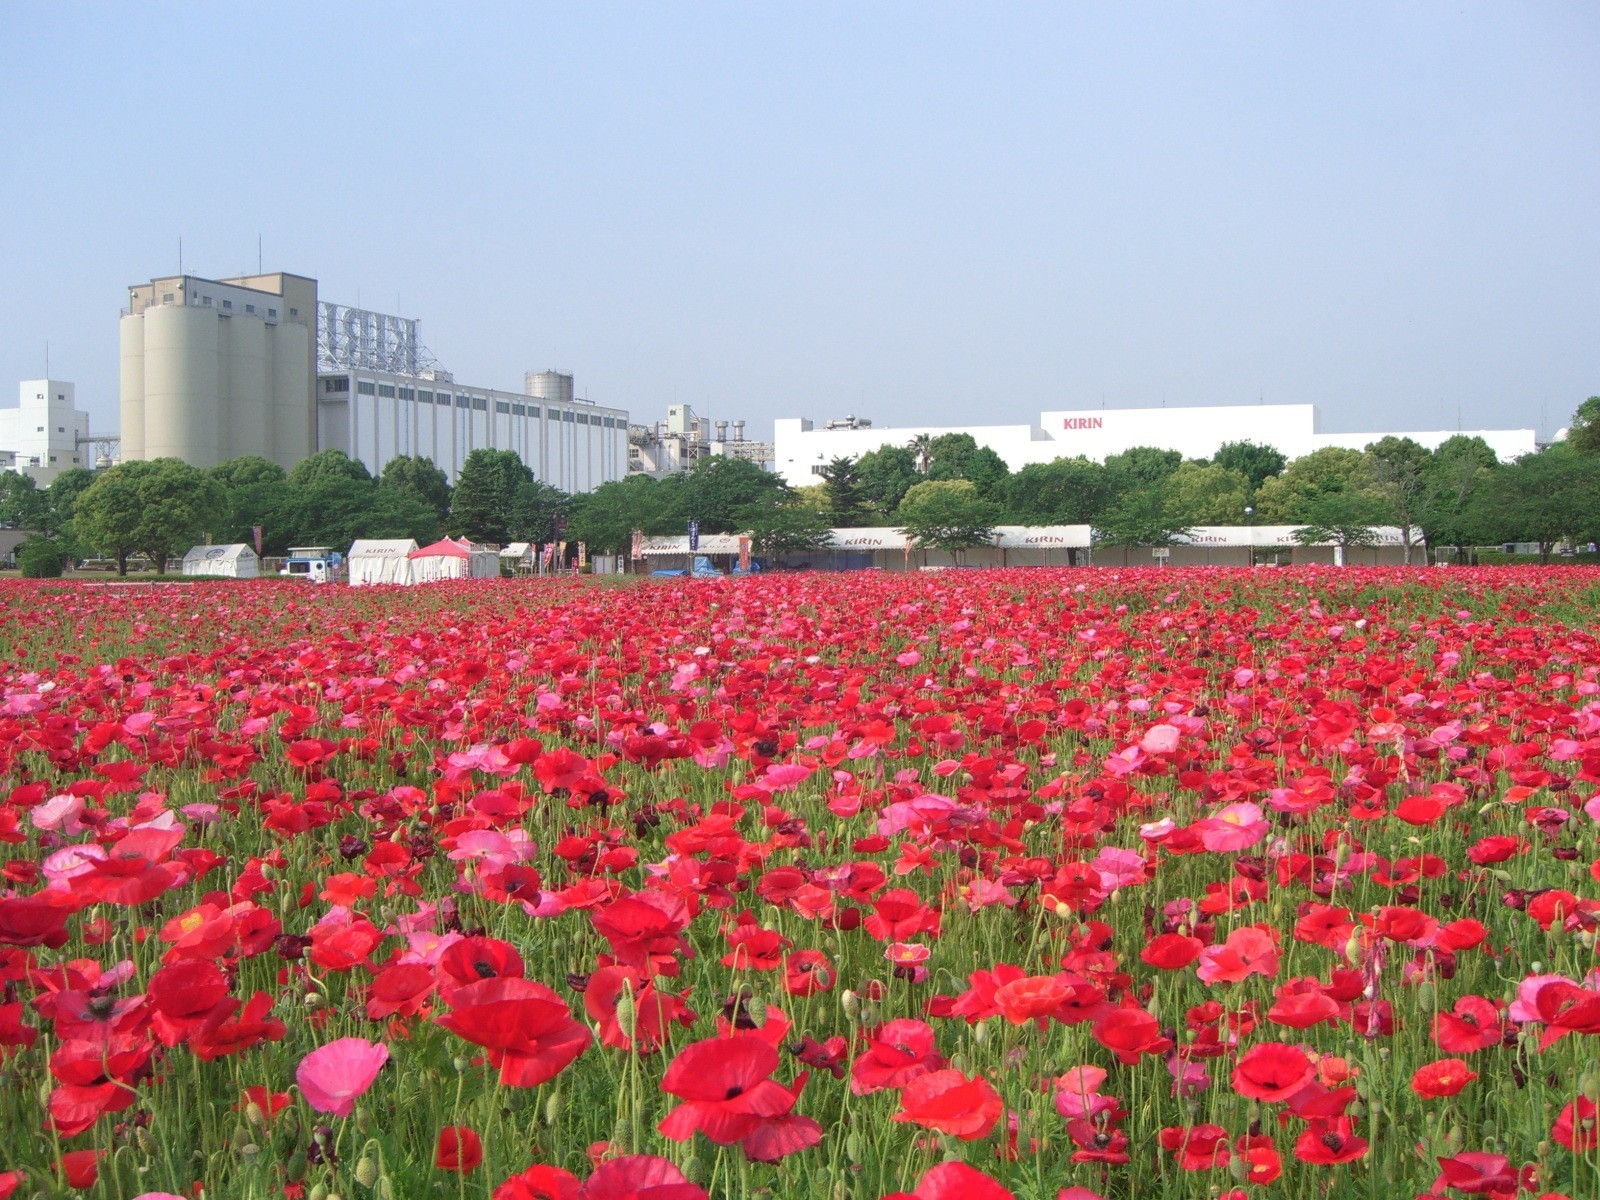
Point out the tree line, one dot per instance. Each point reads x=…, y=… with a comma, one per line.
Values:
x=947, y=492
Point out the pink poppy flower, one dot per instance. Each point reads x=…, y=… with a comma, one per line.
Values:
x=333, y=1078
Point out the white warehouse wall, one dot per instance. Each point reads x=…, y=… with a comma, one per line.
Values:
x=1099, y=433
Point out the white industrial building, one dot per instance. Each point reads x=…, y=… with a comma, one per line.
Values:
x=46, y=433
x=215, y=369
x=683, y=439
x=376, y=415
x=802, y=451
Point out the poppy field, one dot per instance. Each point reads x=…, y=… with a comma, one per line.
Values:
x=1050, y=884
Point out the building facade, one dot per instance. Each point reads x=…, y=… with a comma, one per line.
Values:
x=45, y=434
x=683, y=439
x=802, y=451
x=375, y=416
x=216, y=368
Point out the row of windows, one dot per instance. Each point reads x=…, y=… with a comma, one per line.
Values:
x=364, y=387
x=205, y=302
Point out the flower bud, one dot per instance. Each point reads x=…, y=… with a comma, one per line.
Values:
x=296, y=1167
x=367, y=1171
x=627, y=1013
x=552, y=1107
x=851, y=1003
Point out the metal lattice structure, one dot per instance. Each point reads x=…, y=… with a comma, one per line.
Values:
x=356, y=339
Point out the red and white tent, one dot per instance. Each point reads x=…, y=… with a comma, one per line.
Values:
x=451, y=559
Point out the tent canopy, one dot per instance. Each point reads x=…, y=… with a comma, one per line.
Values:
x=443, y=548
x=219, y=554
x=515, y=550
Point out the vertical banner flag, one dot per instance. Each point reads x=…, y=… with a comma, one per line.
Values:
x=744, y=554
x=694, y=537
x=638, y=544
x=908, y=553
x=256, y=529
x=583, y=555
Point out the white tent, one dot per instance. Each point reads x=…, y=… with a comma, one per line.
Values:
x=381, y=560
x=451, y=559
x=515, y=553
x=234, y=561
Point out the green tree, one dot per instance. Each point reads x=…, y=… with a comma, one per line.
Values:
x=1399, y=472
x=947, y=514
x=39, y=558
x=782, y=525
x=61, y=502
x=327, y=464
x=1256, y=463
x=847, y=504
x=1066, y=491
x=719, y=489
x=1284, y=498
x=1207, y=494
x=486, y=490
x=1455, y=474
x=958, y=456
x=1140, y=517
x=921, y=449
x=538, y=511
x=606, y=518
x=335, y=512
x=887, y=473
x=256, y=491
x=1583, y=432
x=158, y=507
x=1145, y=465
x=1545, y=497
x=22, y=504
x=418, y=477
x=1345, y=518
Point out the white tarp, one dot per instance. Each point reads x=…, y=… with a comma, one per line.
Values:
x=1042, y=537
x=710, y=543
x=515, y=552
x=1273, y=536
x=381, y=560
x=234, y=561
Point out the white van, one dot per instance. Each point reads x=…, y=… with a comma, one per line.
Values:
x=317, y=570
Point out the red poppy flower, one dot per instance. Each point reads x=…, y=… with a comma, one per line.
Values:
x=81, y=1168
x=1171, y=951
x=1197, y=1147
x=1575, y=1127
x=654, y=1012
x=1472, y=1024
x=895, y=1054
x=539, y=1183
x=459, y=1149
x=954, y=1181
x=1272, y=1071
x=639, y=1177
x=526, y=1028
x=725, y=1089
x=950, y=1102
x=1130, y=1033
x=1446, y=1077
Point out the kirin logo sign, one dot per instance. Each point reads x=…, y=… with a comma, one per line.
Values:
x=1084, y=423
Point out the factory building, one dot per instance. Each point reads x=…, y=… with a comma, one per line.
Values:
x=802, y=451
x=216, y=368
x=46, y=433
x=376, y=415
x=683, y=439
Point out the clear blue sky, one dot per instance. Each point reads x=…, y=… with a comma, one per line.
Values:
x=947, y=214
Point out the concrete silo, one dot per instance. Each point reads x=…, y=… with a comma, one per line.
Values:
x=131, y=331
x=293, y=422
x=242, y=409
x=182, y=384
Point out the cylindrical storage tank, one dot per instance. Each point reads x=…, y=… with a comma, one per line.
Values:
x=738, y=431
x=132, y=360
x=246, y=391
x=293, y=427
x=181, y=380
x=549, y=385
